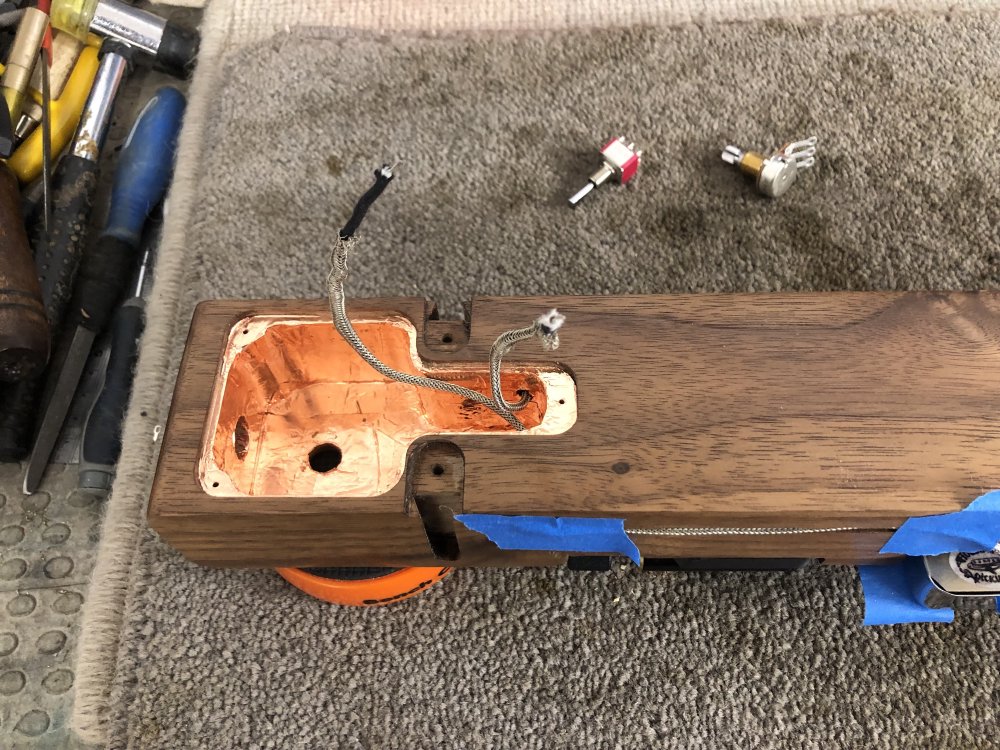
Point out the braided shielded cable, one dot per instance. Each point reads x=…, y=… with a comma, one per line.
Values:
x=503, y=344
x=545, y=327
x=741, y=531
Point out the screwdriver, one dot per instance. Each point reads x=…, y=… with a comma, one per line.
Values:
x=143, y=174
x=102, y=435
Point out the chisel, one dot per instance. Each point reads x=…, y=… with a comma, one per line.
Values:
x=141, y=179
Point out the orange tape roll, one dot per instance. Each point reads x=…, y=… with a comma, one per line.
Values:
x=366, y=592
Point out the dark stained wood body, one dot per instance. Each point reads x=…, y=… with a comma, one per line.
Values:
x=778, y=410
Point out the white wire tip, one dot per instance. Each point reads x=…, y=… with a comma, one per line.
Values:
x=548, y=327
x=551, y=321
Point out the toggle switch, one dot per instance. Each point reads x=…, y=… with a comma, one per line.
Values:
x=621, y=161
x=776, y=173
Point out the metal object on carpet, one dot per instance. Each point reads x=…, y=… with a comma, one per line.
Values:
x=621, y=162
x=776, y=173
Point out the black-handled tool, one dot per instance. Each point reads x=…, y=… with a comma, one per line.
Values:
x=74, y=184
x=143, y=173
x=102, y=436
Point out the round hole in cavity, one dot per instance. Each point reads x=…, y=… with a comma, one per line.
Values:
x=447, y=339
x=438, y=470
x=325, y=457
x=562, y=401
x=215, y=484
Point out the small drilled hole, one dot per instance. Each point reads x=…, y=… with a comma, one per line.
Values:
x=325, y=457
x=438, y=470
x=562, y=401
x=246, y=331
x=215, y=484
x=447, y=339
x=142, y=414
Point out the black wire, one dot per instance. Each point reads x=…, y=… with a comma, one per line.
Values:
x=383, y=176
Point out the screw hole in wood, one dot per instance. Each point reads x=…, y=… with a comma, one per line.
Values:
x=325, y=457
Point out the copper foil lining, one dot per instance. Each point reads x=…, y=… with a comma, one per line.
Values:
x=297, y=413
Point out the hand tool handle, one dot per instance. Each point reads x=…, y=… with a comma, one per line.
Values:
x=144, y=165
x=102, y=437
x=143, y=174
x=24, y=329
x=18, y=410
x=173, y=47
x=58, y=259
x=178, y=51
x=58, y=256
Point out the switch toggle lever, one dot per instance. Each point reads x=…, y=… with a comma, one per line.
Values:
x=621, y=161
x=776, y=173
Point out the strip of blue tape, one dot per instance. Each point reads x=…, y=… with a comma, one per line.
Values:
x=895, y=593
x=603, y=535
x=976, y=527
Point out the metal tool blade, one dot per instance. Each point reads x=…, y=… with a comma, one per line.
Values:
x=67, y=450
x=46, y=142
x=58, y=407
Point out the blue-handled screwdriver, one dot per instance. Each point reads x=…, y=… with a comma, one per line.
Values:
x=141, y=179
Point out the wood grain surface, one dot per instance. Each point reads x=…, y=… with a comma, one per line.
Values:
x=779, y=410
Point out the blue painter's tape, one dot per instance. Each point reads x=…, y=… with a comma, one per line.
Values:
x=598, y=535
x=976, y=527
x=895, y=593
x=989, y=501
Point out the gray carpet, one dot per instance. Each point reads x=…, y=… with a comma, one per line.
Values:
x=494, y=133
